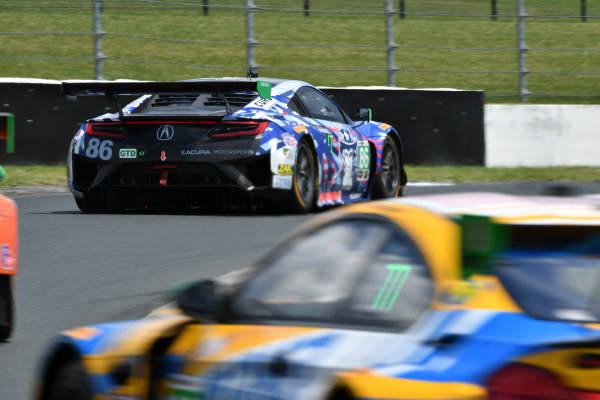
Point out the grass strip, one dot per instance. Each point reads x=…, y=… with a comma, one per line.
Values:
x=55, y=174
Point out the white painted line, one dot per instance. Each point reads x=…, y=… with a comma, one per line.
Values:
x=430, y=184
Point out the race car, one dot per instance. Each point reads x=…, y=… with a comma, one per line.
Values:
x=8, y=261
x=466, y=296
x=229, y=142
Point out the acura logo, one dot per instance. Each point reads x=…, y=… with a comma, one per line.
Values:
x=165, y=132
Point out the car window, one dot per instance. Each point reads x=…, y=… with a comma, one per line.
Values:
x=355, y=271
x=295, y=106
x=319, y=106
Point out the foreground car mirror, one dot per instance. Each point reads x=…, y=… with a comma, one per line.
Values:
x=364, y=114
x=201, y=299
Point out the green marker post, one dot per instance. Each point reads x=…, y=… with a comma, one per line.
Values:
x=7, y=131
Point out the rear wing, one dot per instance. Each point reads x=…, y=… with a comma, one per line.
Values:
x=91, y=88
x=74, y=89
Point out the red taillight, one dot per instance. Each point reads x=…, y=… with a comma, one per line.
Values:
x=226, y=129
x=524, y=382
x=108, y=129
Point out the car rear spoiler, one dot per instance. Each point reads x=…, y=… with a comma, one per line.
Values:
x=73, y=89
x=92, y=88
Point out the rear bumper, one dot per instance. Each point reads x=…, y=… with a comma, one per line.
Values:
x=172, y=185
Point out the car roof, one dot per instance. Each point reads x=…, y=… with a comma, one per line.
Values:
x=513, y=209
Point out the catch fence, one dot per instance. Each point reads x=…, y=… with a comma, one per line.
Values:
x=517, y=50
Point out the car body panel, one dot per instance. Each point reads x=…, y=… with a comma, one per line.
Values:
x=472, y=327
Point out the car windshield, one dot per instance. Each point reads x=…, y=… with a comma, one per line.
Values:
x=553, y=285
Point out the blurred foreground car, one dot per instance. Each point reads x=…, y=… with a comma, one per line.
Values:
x=226, y=143
x=8, y=263
x=371, y=302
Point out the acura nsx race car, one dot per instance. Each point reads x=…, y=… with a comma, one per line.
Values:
x=469, y=296
x=228, y=142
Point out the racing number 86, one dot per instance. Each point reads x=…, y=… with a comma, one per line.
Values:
x=96, y=148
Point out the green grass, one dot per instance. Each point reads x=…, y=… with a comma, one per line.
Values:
x=34, y=175
x=184, y=23
x=55, y=174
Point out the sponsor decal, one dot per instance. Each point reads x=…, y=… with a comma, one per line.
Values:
x=217, y=152
x=392, y=286
x=165, y=132
x=7, y=258
x=163, y=156
x=364, y=161
x=263, y=103
x=330, y=197
x=195, y=152
x=127, y=153
x=282, y=181
x=301, y=129
x=288, y=139
x=348, y=156
x=284, y=169
x=384, y=126
x=233, y=152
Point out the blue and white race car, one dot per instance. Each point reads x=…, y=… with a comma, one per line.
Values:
x=228, y=143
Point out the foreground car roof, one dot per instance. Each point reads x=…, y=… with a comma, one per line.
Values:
x=504, y=208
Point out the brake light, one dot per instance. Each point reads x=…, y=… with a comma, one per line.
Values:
x=523, y=382
x=108, y=129
x=226, y=129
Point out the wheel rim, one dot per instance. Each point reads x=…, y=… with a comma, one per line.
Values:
x=390, y=169
x=304, y=174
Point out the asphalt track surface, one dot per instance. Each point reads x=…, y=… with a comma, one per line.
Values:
x=78, y=269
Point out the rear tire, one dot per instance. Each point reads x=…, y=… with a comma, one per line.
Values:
x=6, y=307
x=301, y=198
x=388, y=183
x=90, y=203
x=70, y=383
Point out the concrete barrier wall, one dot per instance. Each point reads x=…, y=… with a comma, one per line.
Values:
x=438, y=127
x=542, y=135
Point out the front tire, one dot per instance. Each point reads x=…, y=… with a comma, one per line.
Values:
x=6, y=307
x=388, y=183
x=70, y=383
x=301, y=198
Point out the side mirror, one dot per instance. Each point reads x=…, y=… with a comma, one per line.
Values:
x=201, y=299
x=364, y=114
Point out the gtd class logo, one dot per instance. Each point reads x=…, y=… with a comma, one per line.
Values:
x=165, y=132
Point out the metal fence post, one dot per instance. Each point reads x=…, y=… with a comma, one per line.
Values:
x=98, y=34
x=250, y=41
x=391, y=46
x=583, y=11
x=523, y=71
x=402, y=7
x=494, y=10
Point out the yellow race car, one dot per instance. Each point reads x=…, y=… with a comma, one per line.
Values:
x=463, y=296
